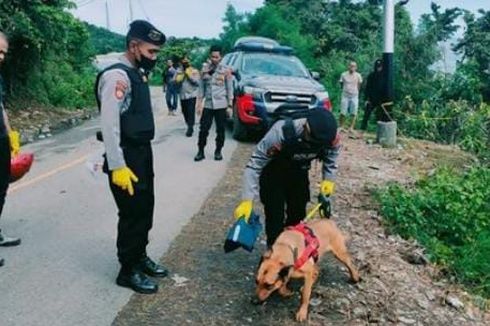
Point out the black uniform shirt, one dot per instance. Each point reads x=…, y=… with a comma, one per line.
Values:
x=3, y=128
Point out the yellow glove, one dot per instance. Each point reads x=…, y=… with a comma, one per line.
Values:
x=327, y=187
x=188, y=72
x=179, y=78
x=124, y=178
x=244, y=209
x=14, y=138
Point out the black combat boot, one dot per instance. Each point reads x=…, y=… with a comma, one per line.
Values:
x=149, y=267
x=217, y=155
x=189, y=131
x=136, y=280
x=200, y=155
x=8, y=241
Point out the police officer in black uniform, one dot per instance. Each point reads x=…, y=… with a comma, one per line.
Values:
x=278, y=169
x=128, y=127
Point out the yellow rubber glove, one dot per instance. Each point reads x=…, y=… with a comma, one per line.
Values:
x=244, y=209
x=124, y=178
x=14, y=138
x=188, y=72
x=327, y=187
x=179, y=78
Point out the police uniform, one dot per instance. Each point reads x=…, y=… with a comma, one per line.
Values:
x=128, y=128
x=217, y=91
x=278, y=171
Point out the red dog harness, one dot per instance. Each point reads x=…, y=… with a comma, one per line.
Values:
x=311, y=244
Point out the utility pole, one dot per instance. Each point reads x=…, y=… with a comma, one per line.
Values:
x=107, y=21
x=130, y=11
x=386, y=131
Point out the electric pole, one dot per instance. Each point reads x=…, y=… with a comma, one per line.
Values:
x=130, y=11
x=107, y=21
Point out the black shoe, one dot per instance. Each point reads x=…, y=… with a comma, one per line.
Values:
x=218, y=156
x=8, y=241
x=200, y=156
x=189, y=132
x=2, y=261
x=151, y=268
x=137, y=281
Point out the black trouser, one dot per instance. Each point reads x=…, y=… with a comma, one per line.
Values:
x=368, y=109
x=189, y=111
x=219, y=116
x=284, y=188
x=4, y=169
x=135, y=212
x=171, y=96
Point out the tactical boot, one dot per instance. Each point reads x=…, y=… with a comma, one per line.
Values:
x=200, y=155
x=189, y=132
x=149, y=267
x=8, y=241
x=217, y=155
x=2, y=261
x=136, y=280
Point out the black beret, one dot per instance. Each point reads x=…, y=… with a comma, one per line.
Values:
x=323, y=125
x=146, y=32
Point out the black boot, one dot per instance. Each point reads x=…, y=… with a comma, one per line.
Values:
x=136, y=280
x=189, y=132
x=8, y=241
x=200, y=155
x=217, y=155
x=151, y=268
x=2, y=261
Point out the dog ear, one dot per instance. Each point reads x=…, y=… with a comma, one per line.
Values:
x=284, y=272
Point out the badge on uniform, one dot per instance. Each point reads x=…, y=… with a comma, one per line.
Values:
x=243, y=234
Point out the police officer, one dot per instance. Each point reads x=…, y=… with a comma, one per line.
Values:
x=278, y=169
x=128, y=127
x=9, y=147
x=187, y=78
x=216, y=92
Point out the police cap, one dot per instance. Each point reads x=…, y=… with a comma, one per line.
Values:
x=146, y=32
x=323, y=125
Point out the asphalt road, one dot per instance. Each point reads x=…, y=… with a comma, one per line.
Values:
x=64, y=271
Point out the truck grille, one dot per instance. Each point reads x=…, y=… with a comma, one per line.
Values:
x=283, y=97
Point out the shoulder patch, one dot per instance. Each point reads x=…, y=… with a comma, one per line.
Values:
x=121, y=88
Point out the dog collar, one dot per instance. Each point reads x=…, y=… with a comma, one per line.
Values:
x=311, y=244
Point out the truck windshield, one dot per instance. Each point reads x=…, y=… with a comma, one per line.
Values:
x=273, y=64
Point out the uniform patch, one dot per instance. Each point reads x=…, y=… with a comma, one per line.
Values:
x=121, y=88
x=274, y=150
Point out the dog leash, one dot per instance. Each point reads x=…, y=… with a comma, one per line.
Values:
x=313, y=212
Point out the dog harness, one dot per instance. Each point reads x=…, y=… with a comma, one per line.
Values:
x=311, y=244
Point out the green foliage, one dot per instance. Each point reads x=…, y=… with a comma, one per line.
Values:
x=48, y=55
x=104, y=41
x=448, y=213
x=452, y=122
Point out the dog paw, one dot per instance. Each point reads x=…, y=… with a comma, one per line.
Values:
x=301, y=315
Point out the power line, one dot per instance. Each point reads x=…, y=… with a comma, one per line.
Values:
x=144, y=11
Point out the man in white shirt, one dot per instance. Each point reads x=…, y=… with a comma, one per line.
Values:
x=351, y=82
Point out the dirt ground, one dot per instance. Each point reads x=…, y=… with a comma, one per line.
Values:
x=207, y=287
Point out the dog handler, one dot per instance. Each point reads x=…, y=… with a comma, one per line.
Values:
x=128, y=127
x=278, y=169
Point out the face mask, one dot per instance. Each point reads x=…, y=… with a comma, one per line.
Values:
x=146, y=64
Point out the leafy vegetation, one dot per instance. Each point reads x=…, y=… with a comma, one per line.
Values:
x=104, y=41
x=448, y=213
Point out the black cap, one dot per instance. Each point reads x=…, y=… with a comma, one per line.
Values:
x=323, y=125
x=146, y=32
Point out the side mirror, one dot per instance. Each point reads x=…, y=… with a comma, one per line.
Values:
x=315, y=75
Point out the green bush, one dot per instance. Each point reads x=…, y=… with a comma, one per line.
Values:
x=448, y=213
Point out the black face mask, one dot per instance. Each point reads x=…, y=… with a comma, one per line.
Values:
x=146, y=64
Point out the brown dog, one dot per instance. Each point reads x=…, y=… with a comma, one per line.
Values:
x=277, y=265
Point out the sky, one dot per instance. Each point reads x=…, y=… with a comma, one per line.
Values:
x=203, y=18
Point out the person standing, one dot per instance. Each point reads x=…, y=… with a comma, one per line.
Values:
x=215, y=101
x=187, y=80
x=350, y=82
x=374, y=92
x=9, y=147
x=171, y=90
x=128, y=127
